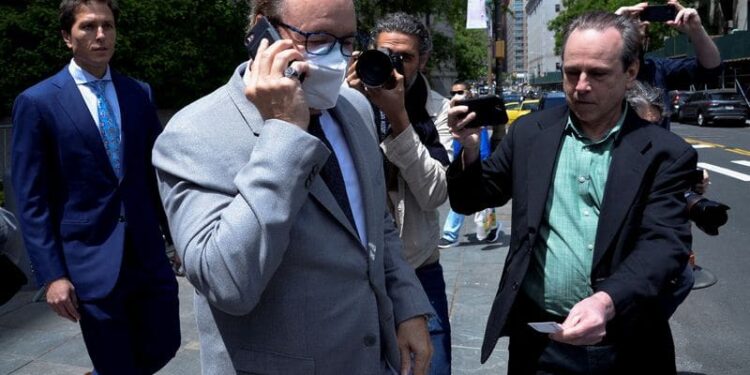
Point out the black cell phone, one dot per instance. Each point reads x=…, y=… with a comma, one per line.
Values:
x=658, y=13
x=261, y=30
x=490, y=110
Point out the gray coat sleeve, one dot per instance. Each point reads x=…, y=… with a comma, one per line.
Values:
x=230, y=221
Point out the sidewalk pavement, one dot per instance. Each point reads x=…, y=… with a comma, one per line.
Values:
x=33, y=340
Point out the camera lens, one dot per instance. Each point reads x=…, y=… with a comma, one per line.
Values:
x=374, y=68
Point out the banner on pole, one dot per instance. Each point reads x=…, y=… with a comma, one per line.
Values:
x=476, y=14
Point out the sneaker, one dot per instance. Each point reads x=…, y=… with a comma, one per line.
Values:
x=493, y=236
x=446, y=243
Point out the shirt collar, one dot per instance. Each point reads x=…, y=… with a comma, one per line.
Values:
x=571, y=127
x=82, y=77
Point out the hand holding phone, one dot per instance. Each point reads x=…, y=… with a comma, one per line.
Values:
x=546, y=327
x=261, y=30
x=490, y=110
x=658, y=13
x=274, y=99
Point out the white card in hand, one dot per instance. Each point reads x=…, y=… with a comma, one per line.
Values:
x=546, y=327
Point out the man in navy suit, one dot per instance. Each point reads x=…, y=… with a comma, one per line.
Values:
x=87, y=200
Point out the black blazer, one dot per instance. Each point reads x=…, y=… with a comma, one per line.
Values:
x=643, y=237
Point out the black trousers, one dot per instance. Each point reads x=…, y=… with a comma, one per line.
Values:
x=135, y=329
x=533, y=353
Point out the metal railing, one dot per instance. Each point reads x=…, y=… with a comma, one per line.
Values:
x=743, y=93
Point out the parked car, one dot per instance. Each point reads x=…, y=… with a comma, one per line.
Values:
x=676, y=100
x=714, y=106
x=521, y=109
x=552, y=99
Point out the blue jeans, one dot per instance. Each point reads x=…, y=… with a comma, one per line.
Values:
x=452, y=226
x=431, y=278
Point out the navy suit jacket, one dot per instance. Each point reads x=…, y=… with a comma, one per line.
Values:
x=73, y=210
x=643, y=237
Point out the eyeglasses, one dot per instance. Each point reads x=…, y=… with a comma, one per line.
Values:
x=322, y=43
x=459, y=92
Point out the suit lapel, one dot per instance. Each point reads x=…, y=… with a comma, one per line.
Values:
x=623, y=183
x=541, y=164
x=72, y=103
x=127, y=105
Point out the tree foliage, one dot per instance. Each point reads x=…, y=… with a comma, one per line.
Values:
x=183, y=48
x=470, y=46
x=187, y=48
x=467, y=49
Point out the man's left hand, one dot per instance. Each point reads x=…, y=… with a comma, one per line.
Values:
x=414, y=339
x=587, y=322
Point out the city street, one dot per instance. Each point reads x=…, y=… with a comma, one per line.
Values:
x=710, y=328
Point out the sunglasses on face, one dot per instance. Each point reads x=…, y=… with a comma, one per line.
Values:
x=459, y=92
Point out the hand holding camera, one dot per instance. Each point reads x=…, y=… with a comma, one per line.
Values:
x=674, y=14
x=378, y=74
x=708, y=215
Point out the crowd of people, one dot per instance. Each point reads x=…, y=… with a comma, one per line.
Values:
x=303, y=202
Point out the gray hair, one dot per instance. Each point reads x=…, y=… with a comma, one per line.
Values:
x=401, y=22
x=643, y=95
x=631, y=37
x=272, y=9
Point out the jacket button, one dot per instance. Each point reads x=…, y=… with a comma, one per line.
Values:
x=370, y=340
x=121, y=219
x=515, y=286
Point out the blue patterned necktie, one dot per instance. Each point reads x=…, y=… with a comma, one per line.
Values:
x=107, y=125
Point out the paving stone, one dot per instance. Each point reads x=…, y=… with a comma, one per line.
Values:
x=12, y=362
x=42, y=367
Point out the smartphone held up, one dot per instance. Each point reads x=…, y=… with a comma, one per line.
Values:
x=489, y=109
x=658, y=13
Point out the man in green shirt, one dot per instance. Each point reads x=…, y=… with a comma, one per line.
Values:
x=599, y=225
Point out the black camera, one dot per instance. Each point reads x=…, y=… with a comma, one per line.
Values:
x=375, y=67
x=708, y=215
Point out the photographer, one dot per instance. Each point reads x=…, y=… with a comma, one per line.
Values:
x=708, y=215
x=415, y=160
x=680, y=73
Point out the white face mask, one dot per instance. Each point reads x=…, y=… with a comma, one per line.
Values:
x=324, y=77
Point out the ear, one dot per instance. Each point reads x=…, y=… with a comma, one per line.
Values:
x=66, y=38
x=423, y=61
x=632, y=72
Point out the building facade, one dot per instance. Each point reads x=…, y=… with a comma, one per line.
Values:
x=515, y=21
x=541, y=58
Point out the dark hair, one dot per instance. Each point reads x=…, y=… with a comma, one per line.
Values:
x=270, y=8
x=631, y=38
x=461, y=82
x=68, y=9
x=401, y=22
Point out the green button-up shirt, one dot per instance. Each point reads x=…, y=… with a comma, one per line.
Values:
x=560, y=271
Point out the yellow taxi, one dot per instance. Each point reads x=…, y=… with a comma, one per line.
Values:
x=516, y=110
